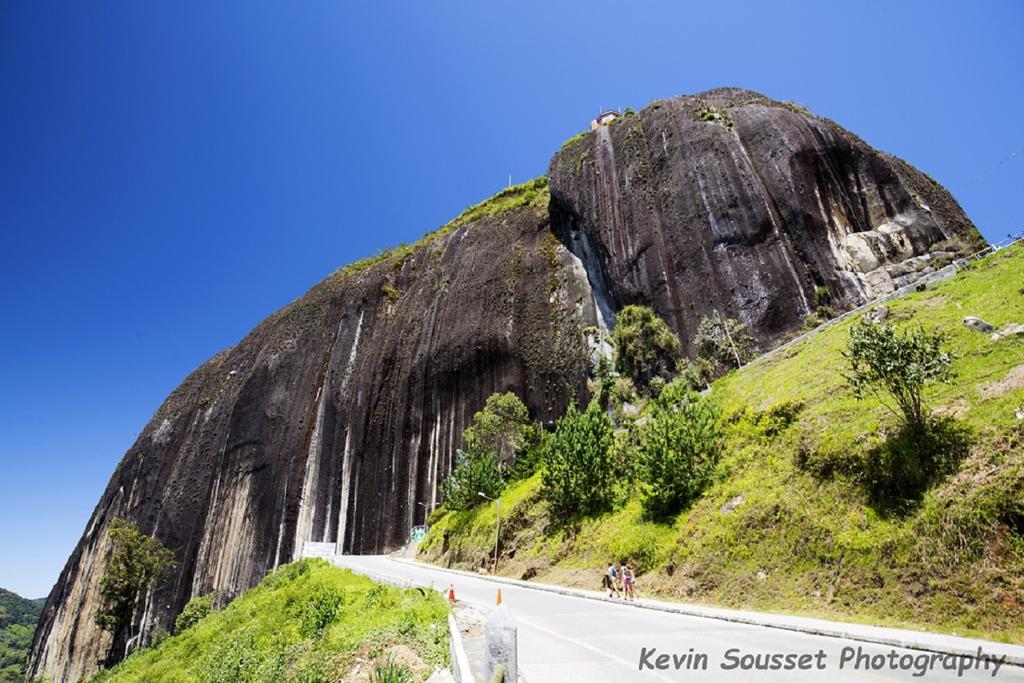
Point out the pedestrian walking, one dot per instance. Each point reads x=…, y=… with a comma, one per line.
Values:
x=628, y=581
x=611, y=581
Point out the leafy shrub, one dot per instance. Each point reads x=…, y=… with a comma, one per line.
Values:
x=158, y=635
x=579, y=471
x=320, y=610
x=679, y=451
x=391, y=293
x=436, y=514
x=894, y=471
x=376, y=596
x=531, y=457
x=818, y=317
x=645, y=347
x=822, y=297
x=692, y=374
x=895, y=367
x=195, y=610
x=778, y=416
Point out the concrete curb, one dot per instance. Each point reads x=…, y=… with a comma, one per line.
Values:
x=460, y=660
x=910, y=640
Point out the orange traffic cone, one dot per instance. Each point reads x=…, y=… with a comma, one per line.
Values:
x=451, y=593
x=499, y=596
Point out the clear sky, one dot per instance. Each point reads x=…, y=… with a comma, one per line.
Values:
x=172, y=173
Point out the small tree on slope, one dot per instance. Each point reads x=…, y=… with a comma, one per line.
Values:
x=678, y=451
x=137, y=561
x=895, y=367
x=579, y=471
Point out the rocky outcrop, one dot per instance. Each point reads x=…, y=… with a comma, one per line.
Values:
x=334, y=420
x=730, y=202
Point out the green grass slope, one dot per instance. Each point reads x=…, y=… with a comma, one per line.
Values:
x=18, y=617
x=307, y=622
x=807, y=537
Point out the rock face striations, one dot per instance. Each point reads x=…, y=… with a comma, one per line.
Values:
x=732, y=202
x=334, y=420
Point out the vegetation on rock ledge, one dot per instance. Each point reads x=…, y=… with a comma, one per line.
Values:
x=531, y=193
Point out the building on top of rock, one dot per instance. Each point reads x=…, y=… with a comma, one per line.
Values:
x=604, y=118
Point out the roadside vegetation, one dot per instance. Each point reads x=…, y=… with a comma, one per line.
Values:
x=307, y=621
x=874, y=472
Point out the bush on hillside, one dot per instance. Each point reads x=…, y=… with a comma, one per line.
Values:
x=678, y=451
x=894, y=471
x=645, y=348
x=579, y=473
x=195, y=610
x=895, y=367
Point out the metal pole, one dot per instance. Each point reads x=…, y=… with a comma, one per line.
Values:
x=725, y=328
x=497, y=531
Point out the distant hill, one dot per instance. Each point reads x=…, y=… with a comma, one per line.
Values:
x=18, y=617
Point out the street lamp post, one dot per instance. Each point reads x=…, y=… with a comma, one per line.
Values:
x=497, y=526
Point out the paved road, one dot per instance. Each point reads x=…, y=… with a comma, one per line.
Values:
x=568, y=639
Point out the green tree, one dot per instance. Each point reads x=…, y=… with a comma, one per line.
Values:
x=645, y=347
x=579, y=472
x=498, y=443
x=136, y=562
x=474, y=473
x=720, y=344
x=678, y=450
x=895, y=367
x=501, y=429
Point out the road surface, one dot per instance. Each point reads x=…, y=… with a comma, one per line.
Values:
x=569, y=639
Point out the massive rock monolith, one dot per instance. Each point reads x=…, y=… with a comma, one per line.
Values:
x=335, y=418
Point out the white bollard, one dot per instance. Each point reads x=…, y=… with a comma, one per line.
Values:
x=501, y=645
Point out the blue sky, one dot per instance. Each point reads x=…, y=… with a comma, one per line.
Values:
x=172, y=173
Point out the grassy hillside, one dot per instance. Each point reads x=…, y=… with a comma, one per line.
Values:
x=18, y=617
x=307, y=622
x=808, y=537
